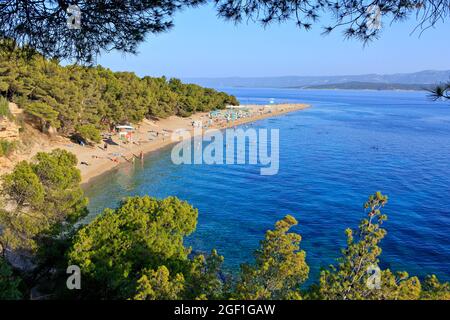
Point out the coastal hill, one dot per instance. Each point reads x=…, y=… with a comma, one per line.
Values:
x=355, y=85
x=415, y=81
x=44, y=106
x=82, y=102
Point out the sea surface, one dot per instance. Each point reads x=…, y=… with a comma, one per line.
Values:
x=333, y=155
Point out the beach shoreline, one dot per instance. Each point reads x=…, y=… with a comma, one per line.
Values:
x=89, y=176
x=95, y=161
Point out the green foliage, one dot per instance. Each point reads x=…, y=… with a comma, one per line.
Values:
x=7, y=147
x=4, y=107
x=280, y=266
x=157, y=285
x=201, y=280
x=23, y=186
x=64, y=97
x=9, y=285
x=352, y=278
x=142, y=234
x=137, y=251
x=64, y=200
x=432, y=289
x=204, y=279
x=395, y=286
x=89, y=132
x=46, y=115
x=19, y=230
x=44, y=198
x=349, y=279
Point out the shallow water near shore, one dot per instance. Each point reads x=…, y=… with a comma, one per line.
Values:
x=348, y=145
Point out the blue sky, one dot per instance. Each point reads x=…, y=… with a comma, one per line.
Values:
x=202, y=45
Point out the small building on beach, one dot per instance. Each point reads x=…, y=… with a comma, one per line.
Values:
x=125, y=132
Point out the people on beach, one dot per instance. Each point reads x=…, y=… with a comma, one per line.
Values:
x=116, y=153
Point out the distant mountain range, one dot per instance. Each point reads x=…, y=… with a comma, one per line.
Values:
x=355, y=85
x=399, y=81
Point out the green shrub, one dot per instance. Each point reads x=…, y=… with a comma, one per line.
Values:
x=4, y=108
x=9, y=283
x=7, y=147
x=89, y=133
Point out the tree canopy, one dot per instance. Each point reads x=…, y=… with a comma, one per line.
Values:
x=9, y=284
x=80, y=29
x=280, y=267
x=85, y=100
x=105, y=25
x=357, y=18
x=352, y=278
x=44, y=199
x=137, y=251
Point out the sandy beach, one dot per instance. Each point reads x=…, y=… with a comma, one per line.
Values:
x=149, y=135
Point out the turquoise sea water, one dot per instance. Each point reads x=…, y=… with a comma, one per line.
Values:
x=348, y=145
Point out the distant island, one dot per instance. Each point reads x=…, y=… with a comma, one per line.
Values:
x=421, y=80
x=355, y=85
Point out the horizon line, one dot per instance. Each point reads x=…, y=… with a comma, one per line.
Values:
x=333, y=75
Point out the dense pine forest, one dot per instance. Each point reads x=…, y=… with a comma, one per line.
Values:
x=81, y=99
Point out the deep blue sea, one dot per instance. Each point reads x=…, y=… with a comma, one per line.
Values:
x=348, y=145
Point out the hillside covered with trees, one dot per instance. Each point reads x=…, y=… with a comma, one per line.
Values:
x=86, y=100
